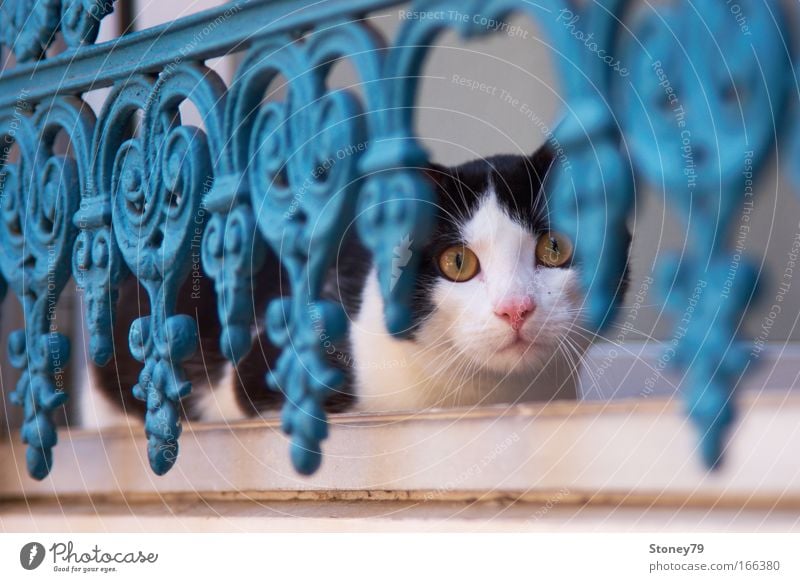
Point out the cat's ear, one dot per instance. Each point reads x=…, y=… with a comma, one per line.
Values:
x=542, y=161
x=438, y=174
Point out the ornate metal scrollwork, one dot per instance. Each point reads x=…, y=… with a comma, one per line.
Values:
x=80, y=20
x=97, y=262
x=291, y=174
x=39, y=195
x=300, y=160
x=156, y=187
x=29, y=27
x=700, y=145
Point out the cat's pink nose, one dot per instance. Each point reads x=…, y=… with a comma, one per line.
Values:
x=515, y=311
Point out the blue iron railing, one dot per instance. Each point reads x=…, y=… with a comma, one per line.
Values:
x=661, y=96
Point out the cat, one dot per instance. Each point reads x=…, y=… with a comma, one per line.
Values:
x=496, y=313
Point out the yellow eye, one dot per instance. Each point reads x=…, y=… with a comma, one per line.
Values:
x=553, y=249
x=458, y=263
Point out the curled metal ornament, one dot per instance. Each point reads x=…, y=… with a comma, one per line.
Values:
x=39, y=197
x=29, y=27
x=156, y=180
x=693, y=112
x=300, y=160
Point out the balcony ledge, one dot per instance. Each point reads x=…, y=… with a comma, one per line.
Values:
x=620, y=453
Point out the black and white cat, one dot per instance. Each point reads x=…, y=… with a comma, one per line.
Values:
x=496, y=309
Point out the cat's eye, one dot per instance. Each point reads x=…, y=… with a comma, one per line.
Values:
x=458, y=263
x=553, y=249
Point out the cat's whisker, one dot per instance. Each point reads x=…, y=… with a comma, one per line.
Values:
x=581, y=363
x=637, y=306
x=647, y=362
x=453, y=352
x=561, y=349
x=595, y=335
x=455, y=383
x=637, y=332
x=444, y=367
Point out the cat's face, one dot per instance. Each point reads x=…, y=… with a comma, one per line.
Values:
x=498, y=289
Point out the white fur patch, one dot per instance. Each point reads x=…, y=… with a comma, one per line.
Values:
x=218, y=403
x=95, y=412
